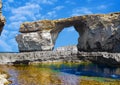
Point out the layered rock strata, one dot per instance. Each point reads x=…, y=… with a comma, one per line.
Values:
x=99, y=32
x=2, y=18
x=65, y=55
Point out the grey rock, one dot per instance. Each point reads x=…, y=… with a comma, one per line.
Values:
x=64, y=55
x=101, y=33
x=98, y=32
x=66, y=48
x=35, y=41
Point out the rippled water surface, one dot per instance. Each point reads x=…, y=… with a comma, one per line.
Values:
x=63, y=74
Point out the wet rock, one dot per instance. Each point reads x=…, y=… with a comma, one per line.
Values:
x=4, y=79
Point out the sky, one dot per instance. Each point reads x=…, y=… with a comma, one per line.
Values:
x=19, y=11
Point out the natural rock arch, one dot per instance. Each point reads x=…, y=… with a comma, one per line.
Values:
x=97, y=33
x=63, y=25
x=46, y=31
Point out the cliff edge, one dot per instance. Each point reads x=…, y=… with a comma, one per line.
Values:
x=2, y=18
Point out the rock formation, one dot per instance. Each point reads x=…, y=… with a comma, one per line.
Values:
x=63, y=54
x=100, y=32
x=4, y=79
x=2, y=18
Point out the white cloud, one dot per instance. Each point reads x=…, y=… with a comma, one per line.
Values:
x=70, y=2
x=58, y=7
x=30, y=12
x=6, y=6
x=102, y=7
x=81, y=11
x=51, y=14
x=10, y=0
x=5, y=46
x=27, y=10
x=17, y=18
x=8, y=34
x=14, y=25
x=4, y=35
x=50, y=2
x=22, y=14
x=7, y=41
x=89, y=0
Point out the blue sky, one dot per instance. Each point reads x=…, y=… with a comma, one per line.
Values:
x=18, y=11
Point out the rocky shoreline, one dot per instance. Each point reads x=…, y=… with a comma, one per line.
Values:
x=4, y=77
x=99, y=34
x=98, y=42
x=63, y=54
x=4, y=80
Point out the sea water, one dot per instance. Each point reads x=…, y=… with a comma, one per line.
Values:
x=63, y=74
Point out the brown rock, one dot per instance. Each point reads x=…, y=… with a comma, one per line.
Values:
x=98, y=32
x=2, y=18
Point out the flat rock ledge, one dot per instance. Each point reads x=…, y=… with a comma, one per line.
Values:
x=102, y=58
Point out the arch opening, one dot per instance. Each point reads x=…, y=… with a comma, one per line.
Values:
x=67, y=37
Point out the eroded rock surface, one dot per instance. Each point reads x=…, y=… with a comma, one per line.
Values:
x=2, y=18
x=98, y=32
x=63, y=54
x=35, y=41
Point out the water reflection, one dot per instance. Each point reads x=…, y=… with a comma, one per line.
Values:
x=89, y=70
x=30, y=75
x=63, y=74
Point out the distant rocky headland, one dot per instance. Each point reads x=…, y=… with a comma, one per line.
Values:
x=99, y=40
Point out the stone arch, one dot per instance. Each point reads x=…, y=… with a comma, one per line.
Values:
x=44, y=34
x=97, y=33
x=79, y=26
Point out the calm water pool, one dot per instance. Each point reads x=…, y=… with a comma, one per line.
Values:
x=63, y=74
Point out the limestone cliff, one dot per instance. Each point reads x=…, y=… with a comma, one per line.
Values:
x=2, y=18
x=100, y=32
